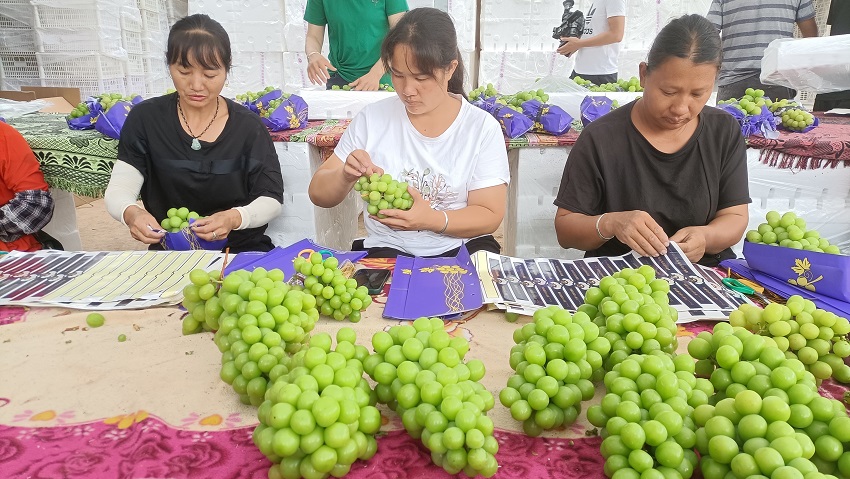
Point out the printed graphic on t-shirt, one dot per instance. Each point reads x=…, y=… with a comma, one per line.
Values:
x=432, y=187
x=587, y=19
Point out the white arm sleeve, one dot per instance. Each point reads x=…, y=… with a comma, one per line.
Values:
x=124, y=187
x=259, y=212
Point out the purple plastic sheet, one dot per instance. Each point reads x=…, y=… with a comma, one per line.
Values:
x=786, y=290
x=111, y=121
x=593, y=107
x=282, y=258
x=547, y=118
x=291, y=114
x=763, y=124
x=821, y=273
x=433, y=287
x=514, y=123
x=186, y=239
x=86, y=122
x=486, y=104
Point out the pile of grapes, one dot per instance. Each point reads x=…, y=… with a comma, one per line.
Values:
x=797, y=119
x=646, y=416
x=750, y=103
x=421, y=373
x=767, y=418
x=106, y=100
x=273, y=105
x=383, y=192
x=253, y=96
x=483, y=91
x=632, y=310
x=320, y=417
x=816, y=337
x=621, y=85
x=381, y=87
x=177, y=219
x=336, y=295
x=555, y=359
x=789, y=231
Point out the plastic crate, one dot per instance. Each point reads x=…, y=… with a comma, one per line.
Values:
x=90, y=87
x=18, y=66
x=135, y=65
x=132, y=42
x=131, y=21
x=152, y=46
x=94, y=40
x=154, y=21
x=78, y=14
x=80, y=67
x=16, y=13
x=807, y=99
x=157, y=86
x=17, y=40
x=153, y=5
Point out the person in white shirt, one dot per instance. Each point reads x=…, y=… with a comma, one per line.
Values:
x=451, y=153
x=597, y=50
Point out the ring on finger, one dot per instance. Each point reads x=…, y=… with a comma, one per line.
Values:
x=215, y=235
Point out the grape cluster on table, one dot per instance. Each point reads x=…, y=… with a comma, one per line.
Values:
x=790, y=231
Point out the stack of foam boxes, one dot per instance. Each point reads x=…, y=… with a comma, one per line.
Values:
x=80, y=43
x=295, y=36
x=517, y=45
x=464, y=13
x=18, y=65
x=255, y=28
x=147, y=72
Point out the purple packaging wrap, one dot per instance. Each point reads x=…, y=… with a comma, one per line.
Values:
x=86, y=122
x=763, y=124
x=487, y=104
x=291, y=114
x=822, y=273
x=547, y=118
x=283, y=257
x=513, y=123
x=111, y=121
x=593, y=107
x=186, y=239
x=255, y=106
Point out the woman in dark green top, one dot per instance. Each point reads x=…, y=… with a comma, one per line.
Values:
x=355, y=33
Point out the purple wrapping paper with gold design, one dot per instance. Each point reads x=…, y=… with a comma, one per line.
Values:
x=111, y=121
x=486, y=104
x=263, y=101
x=593, y=107
x=433, y=287
x=86, y=122
x=291, y=114
x=514, y=123
x=282, y=258
x=186, y=239
x=763, y=124
x=547, y=118
x=821, y=273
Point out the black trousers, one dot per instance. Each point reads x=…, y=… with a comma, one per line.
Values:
x=597, y=79
x=481, y=243
x=335, y=80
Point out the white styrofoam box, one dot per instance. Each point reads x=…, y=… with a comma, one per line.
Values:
x=628, y=63
x=335, y=227
x=330, y=104
x=294, y=161
x=218, y=10
x=295, y=72
x=519, y=25
x=254, y=71
x=256, y=36
x=464, y=14
x=259, y=10
x=470, y=65
x=510, y=72
x=821, y=197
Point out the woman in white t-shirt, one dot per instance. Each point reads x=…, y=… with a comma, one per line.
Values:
x=451, y=153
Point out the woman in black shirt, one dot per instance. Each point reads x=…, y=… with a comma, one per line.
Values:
x=662, y=168
x=196, y=149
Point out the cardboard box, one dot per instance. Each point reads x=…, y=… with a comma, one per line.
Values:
x=62, y=99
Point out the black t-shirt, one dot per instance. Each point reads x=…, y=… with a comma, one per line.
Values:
x=612, y=167
x=238, y=167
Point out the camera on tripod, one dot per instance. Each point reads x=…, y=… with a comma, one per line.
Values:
x=572, y=23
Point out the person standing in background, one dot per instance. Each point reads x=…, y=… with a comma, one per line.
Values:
x=746, y=29
x=839, y=20
x=355, y=33
x=598, y=49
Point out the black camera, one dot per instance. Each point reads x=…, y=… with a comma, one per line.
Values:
x=572, y=23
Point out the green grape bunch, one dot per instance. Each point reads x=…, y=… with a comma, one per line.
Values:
x=273, y=105
x=582, y=82
x=555, y=359
x=106, y=101
x=422, y=374
x=337, y=296
x=345, y=87
x=751, y=103
x=82, y=109
x=790, y=231
x=382, y=192
x=178, y=218
x=483, y=91
x=796, y=119
x=320, y=417
x=816, y=337
x=621, y=85
x=779, y=105
x=252, y=96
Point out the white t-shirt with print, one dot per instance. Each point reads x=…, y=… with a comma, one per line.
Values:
x=600, y=60
x=469, y=155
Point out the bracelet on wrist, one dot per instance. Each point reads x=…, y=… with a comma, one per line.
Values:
x=445, y=226
x=599, y=232
x=311, y=54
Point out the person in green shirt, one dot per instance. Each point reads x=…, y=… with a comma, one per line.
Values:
x=356, y=29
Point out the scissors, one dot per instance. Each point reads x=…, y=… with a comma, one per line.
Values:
x=738, y=286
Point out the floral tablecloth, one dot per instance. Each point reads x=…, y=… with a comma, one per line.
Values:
x=81, y=161
x=77, y=403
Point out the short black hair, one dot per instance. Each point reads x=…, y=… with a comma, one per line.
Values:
x=431, y=37
x=690, y=37
x=201, y=38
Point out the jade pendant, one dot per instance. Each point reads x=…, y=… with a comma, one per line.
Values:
x=196, y=145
